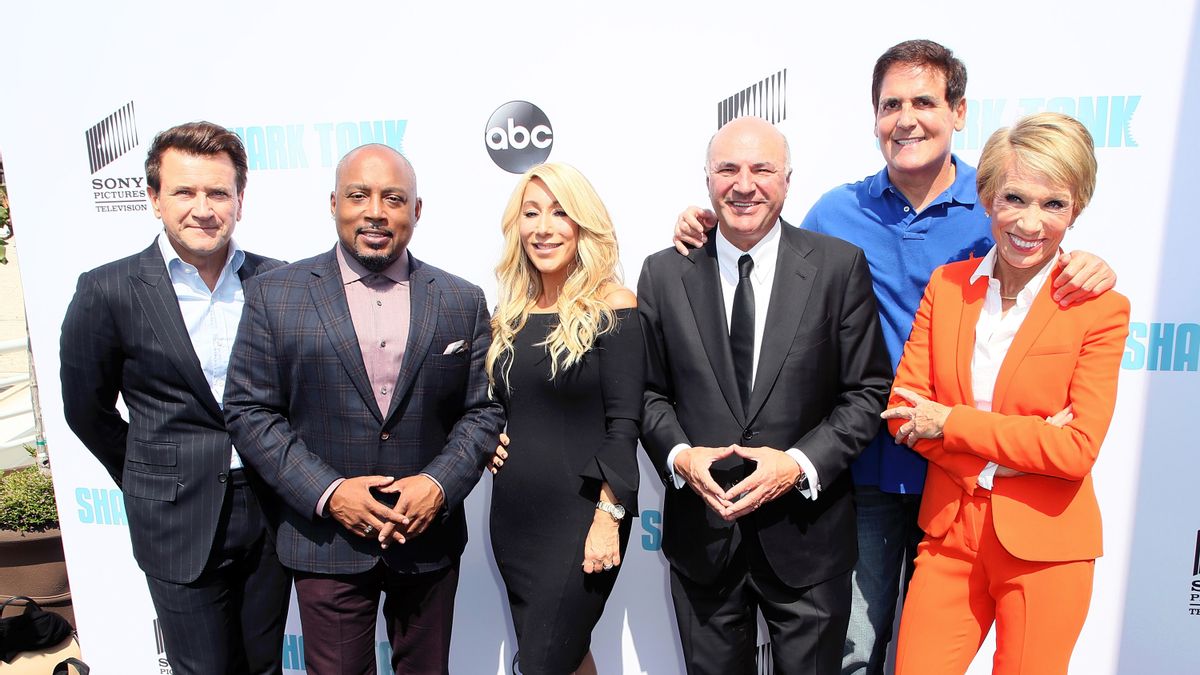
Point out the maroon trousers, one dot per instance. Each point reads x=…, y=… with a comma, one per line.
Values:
x=338, y=614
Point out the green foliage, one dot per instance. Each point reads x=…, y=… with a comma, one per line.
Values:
x=27, y=501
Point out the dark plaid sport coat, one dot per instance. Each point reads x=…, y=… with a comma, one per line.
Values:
x=299, y=406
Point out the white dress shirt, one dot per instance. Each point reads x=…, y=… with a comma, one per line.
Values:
x=765, y=254
x=994, y=333
x=211, y=317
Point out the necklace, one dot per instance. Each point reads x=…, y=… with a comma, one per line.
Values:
x=1005, y=297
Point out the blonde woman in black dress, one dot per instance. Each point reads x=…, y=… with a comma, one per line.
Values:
x=566, y=361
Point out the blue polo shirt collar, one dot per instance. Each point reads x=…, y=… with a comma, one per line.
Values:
x=961, y=191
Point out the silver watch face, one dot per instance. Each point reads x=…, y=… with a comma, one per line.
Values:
x=615, y=510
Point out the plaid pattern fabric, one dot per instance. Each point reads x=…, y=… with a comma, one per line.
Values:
x=301, y=411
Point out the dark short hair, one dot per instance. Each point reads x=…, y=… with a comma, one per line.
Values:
x=196, y=138
x=922, y=54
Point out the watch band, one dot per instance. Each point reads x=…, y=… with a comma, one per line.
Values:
x=802, y=482
x=615, y=511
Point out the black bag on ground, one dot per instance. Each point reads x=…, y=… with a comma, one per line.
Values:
x=30, y=631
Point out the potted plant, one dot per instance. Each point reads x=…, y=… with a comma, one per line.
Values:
x=31, y=553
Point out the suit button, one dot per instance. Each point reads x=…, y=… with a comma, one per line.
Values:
x=747, y=435
x=384, y=436
x=222, y=477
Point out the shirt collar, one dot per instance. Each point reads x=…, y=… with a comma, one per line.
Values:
x=352, y=270
x=961, y=191
x=233, y=259
x=987, y=269
x=764, y=254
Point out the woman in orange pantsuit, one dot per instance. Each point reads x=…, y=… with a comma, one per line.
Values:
x=1009, y=397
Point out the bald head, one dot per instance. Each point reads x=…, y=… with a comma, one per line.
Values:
x=748, y=171
x=375, y=150
x=375, y=205
x=751, y=125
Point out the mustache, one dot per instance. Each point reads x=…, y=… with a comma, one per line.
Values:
x=373, y=230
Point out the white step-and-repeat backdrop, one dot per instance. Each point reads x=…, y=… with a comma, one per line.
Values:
x=629, y=93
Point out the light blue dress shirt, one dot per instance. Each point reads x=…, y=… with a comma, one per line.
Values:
x=211, y=317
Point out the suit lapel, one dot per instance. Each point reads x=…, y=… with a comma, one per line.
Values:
x=794, y=277
x=156, y=295
x=703, y=286
x=249, y=267
x=424, y=300
x=1040, y=312
x=329, y=298
x=968, y=318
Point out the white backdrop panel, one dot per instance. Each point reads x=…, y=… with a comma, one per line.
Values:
x=631, y=90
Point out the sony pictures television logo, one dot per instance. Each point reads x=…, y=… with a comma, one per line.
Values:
x=518, y=136
x=110, y=139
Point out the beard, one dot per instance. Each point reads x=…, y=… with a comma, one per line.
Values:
x=373, y=261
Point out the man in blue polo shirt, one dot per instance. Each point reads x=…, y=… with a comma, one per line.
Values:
x=921, y=211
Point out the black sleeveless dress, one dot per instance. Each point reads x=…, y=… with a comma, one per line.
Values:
x=567, y=436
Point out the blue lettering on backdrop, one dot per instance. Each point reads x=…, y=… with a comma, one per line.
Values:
x=1162, y=346
x=100, y=506
x=287, y=146
x=383, y=659
x=652, y=527
x=1107, y=118
x=349, y=135
x=293, y=652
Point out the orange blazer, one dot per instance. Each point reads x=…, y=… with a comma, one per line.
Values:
x=1058, y=357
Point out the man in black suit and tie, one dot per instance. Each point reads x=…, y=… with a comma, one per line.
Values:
x=766, y=375
x=157, y=328
x=357, y=381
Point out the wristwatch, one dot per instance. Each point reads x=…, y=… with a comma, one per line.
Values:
x=802, y=481
x=616, y=511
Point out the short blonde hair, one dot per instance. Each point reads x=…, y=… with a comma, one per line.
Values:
x=1050, y=144
x=583, y=315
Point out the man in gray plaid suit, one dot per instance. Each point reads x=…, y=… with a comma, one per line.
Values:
x=357, y=390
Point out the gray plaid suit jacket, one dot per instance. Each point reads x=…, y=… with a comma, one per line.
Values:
x=300, y=408
x=124, y=333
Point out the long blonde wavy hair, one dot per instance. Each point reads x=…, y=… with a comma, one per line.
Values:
x=583, y=314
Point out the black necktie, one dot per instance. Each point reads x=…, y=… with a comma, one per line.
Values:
x=741, y=330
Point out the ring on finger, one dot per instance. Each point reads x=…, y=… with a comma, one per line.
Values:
x=368, y=529
x=608, y=566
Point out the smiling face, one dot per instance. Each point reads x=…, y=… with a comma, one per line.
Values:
x=375, y=205
x=915, y=123
x=748, y=177
x=1030, y=214
x=198, y=204
x=548, y=236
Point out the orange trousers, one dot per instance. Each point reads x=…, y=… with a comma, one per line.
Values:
x=965, y=581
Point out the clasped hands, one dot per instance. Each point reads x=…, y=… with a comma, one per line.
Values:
x=775, y=474
x=418, y=501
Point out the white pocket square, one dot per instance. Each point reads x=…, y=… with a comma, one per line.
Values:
x=455, y=347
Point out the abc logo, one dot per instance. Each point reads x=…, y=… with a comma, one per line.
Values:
x=518, y=136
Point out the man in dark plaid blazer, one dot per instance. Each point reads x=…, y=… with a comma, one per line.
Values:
x=357, y=381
